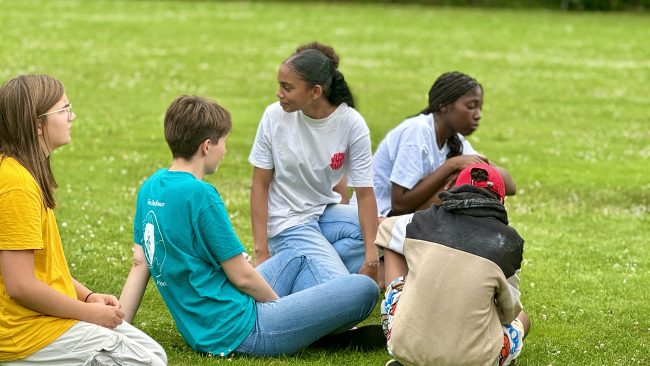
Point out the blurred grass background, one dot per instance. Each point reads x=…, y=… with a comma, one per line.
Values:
x=566, y=112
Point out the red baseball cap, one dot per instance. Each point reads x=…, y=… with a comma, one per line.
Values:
x=493, y=183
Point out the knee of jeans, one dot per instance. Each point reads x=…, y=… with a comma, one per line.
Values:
x=366, y=289
x=353, y=231
x=292, y=252
x=291, y=248
x=349, y=227
x=291, y=260
x=349, y=246
x=341, y=214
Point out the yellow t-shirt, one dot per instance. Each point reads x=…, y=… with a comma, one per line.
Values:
x=25, y=223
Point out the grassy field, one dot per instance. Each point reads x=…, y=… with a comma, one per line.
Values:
x=566, y=111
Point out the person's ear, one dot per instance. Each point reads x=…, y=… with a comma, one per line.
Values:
x=316, y=91
x=40, y=126
x=444, y=109
x=205, y=146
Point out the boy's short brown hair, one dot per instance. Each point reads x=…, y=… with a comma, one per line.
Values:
x=190, y=120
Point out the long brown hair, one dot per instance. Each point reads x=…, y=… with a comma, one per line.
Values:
x=22, y=100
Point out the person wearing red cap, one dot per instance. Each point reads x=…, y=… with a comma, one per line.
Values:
x=488, y=177
x=453, y=269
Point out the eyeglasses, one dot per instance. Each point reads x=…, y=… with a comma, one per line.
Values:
x=67, y=109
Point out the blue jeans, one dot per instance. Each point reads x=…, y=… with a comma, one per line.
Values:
x=333, y=244
x=298, y=319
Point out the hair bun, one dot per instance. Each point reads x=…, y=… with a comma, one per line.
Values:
x=324, y=49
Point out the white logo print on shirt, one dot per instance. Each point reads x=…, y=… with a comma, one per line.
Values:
x=154, y=246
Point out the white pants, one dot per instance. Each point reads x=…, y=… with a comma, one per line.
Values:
x=91, y=345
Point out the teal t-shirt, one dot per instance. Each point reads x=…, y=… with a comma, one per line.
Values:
x=183, y=227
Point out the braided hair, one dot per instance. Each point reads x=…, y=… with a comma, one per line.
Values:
x=445, y=90
x=317, y=64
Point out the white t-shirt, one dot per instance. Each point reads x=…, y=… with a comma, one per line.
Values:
x=309, y=157
x=407, y=154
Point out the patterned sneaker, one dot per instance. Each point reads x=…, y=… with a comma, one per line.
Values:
x=393, y=362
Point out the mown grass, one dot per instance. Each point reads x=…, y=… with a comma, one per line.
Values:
x=566, y=111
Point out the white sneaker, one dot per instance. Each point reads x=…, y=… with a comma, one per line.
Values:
x=393, y=362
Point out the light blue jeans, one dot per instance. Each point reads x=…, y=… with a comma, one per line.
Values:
x=333, y=244
x=298, y=319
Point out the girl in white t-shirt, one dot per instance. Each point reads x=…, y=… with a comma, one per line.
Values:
x=423, y=155
x=306, y=145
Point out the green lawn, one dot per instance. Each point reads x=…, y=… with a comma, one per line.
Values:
x=566, y=111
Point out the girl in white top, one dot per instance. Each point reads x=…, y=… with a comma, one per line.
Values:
x=306, y=144
x=423, y=155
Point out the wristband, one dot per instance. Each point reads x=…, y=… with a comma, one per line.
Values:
x=87, y=296
x=373, y=264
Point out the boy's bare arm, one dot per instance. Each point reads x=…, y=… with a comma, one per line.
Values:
x=135, y=285
x=247, y=279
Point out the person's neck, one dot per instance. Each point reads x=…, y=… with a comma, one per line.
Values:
x=443, y=133
x=319, y=109
x=193, y=167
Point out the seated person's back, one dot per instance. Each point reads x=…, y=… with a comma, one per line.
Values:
x=461, y=287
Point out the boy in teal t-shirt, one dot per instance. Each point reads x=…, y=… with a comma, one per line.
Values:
x=186, y=243
x=191, y=295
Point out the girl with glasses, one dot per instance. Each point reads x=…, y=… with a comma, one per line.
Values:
x=48, y=317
